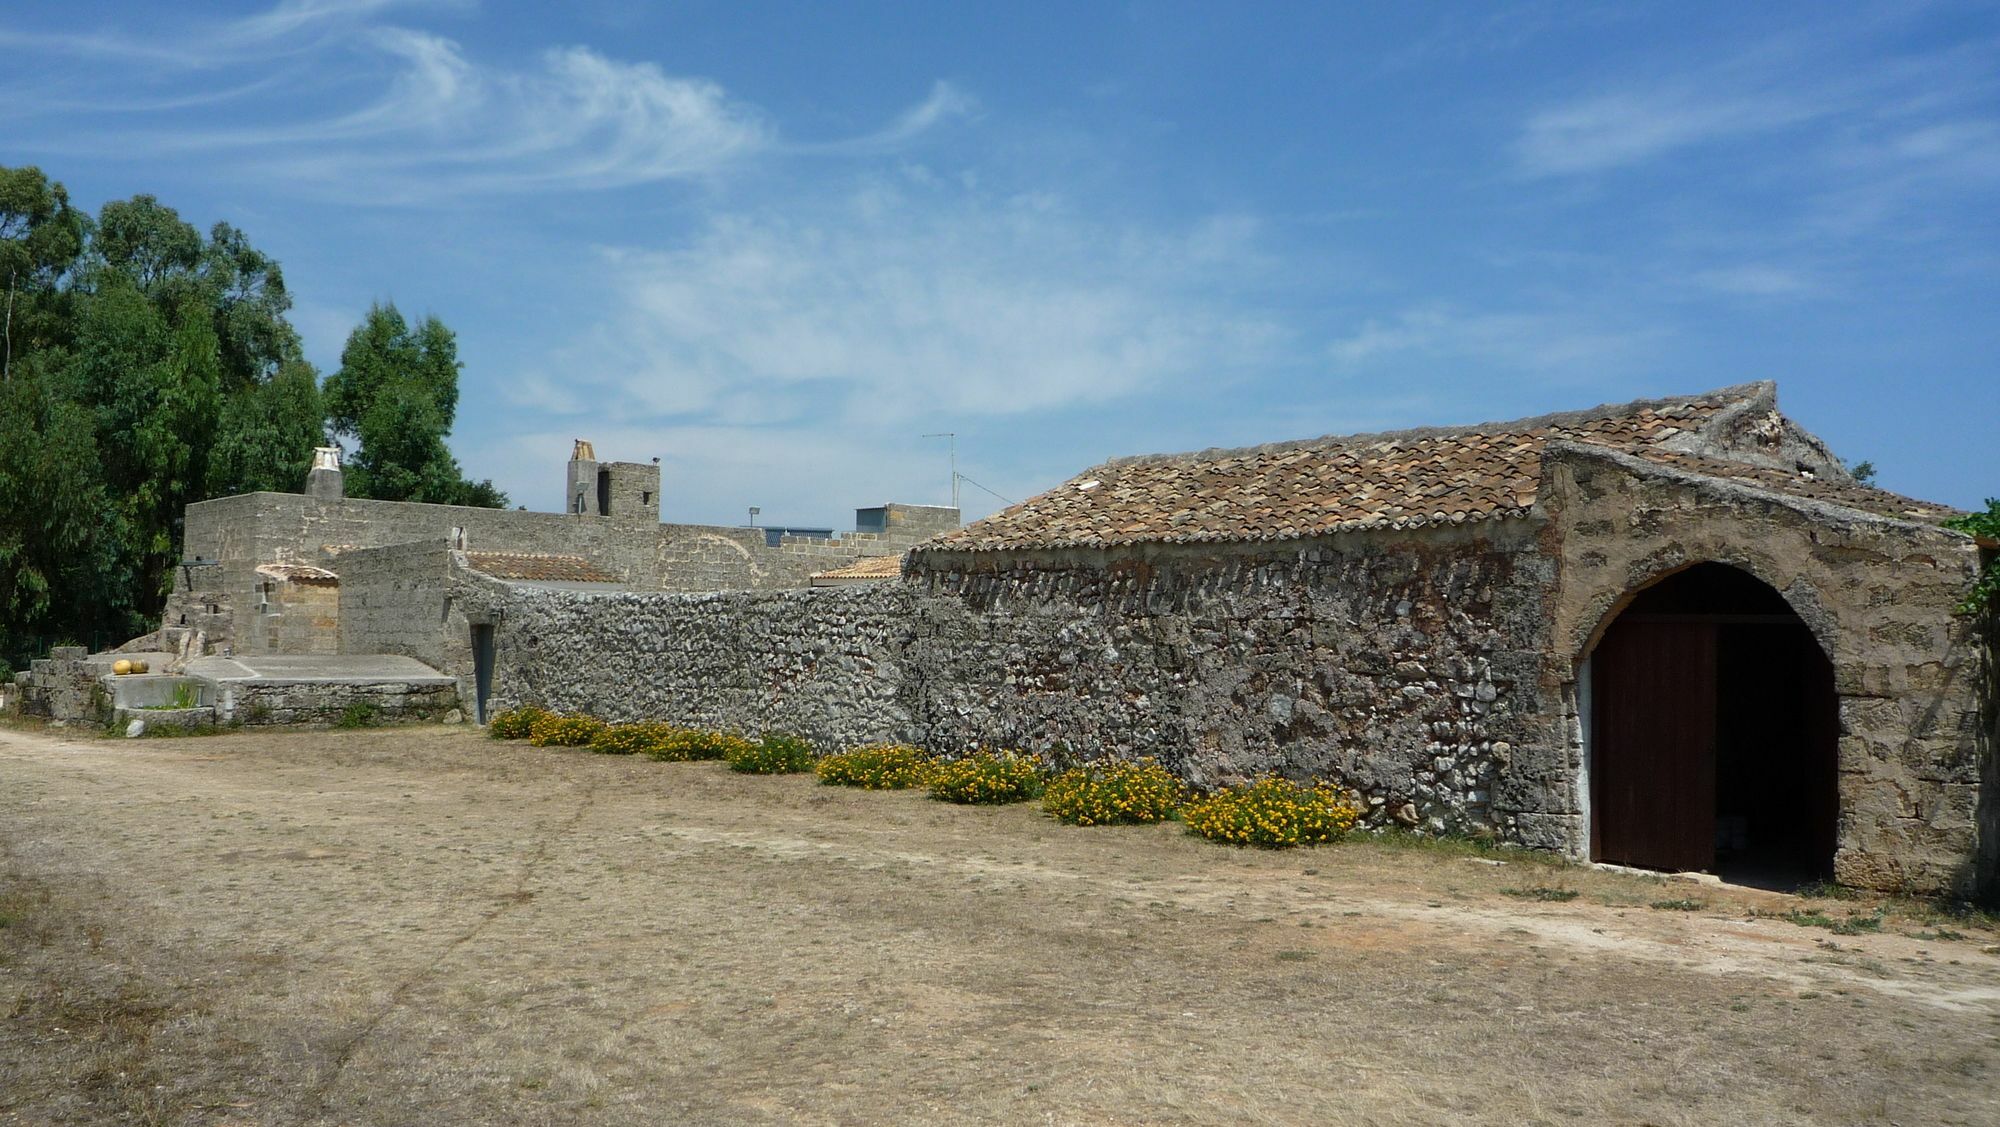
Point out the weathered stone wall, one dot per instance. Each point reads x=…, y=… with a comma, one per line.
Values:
x=291, y=618
x=63, y=686
x=238, y=533
x=820, y=663
x=1879, y=595
x=1403, y=663
x=1390, y=661
x=203, y=602
x=271, y=702
x=256, y=528
x=393, y=601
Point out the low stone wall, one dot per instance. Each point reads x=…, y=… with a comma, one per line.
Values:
x=823, y=663
x=1393, y=663
x=63, y=686
x=259, y=703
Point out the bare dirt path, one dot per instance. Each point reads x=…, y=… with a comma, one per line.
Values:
x=421, y=925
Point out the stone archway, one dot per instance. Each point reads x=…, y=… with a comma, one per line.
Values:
x=1713, y=732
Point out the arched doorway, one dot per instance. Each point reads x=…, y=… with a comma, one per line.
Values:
x=1714, y=733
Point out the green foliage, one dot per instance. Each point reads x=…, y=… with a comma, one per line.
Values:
x=514, y=723
x=688, y=745
x=892, y=767
x=1108, y=794
x=265, y=438
x=145, y=365
x=396, y=393
x=1856, y=923
x=60, y=534
x=555, y=730
x=1986, y=593
x=360, y=714
x=774, y=754
x=1863, y=472
x=987, y=778
x=1682, y=905
x=1275, y=813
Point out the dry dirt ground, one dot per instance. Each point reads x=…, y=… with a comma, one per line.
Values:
x=424, y=926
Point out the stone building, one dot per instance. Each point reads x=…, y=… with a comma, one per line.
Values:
x=1671, y=633
x=296, y=607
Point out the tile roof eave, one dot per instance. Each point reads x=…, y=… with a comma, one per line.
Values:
x=945, y=547
x=1810, y=505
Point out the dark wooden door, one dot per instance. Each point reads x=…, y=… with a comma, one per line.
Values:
x=1652, y=771
x=482, y=668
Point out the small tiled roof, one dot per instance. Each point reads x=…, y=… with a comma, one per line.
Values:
x=300, y=573
x=536, y=566
x=867, y=567
x=1405, y=479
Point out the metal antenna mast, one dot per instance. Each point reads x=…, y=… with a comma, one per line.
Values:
x=953, y=448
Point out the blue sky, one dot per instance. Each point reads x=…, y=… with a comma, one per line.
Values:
x=775, y=244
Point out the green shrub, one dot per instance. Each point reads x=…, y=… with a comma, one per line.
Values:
x=1106, y=794
x=360, y=714
x=775, y=754
x=1985, y=593
x=553, y=730
x=1274, y=812
x=514, y=723
x=686, y=745
x=632, y=739
x=986, y=778
x=892, y=767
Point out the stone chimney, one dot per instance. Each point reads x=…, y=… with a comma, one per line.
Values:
x=324, y=482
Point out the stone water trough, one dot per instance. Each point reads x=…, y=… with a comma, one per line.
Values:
x=72, y=686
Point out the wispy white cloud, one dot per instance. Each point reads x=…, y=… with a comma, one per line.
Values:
x=946, y=102
x=441, y=124
x=1613, y=130
x=1549, y=344
x=1829, y=85
x=1758, y=280
x=908, y=300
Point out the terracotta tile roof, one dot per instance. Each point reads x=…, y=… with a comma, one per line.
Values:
x=1405, y=479
x=538, y=566
x=867, y=567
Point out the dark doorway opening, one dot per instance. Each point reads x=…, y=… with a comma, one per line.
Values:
x=604, y=493
x=482, y=668
x=1714, y=733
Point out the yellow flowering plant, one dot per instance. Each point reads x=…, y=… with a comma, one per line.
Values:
x=1275, y=813
x=552, y=730
x=1106, y=794
x=632, y=739
x=684, y=745
x=891, y=767
x=775, y=754
x=514, y=723
x=986, y=778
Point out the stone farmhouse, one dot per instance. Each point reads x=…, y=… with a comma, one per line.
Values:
x=1672, y=633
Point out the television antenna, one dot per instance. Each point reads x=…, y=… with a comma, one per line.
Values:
x=952, y=450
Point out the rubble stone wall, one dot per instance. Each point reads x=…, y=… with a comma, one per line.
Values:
x=823, y=663
x=1406, y=664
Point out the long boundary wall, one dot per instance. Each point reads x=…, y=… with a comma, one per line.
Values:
x=1435, y=669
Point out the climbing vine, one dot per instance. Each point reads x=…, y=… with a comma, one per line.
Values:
x=1986, y=526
